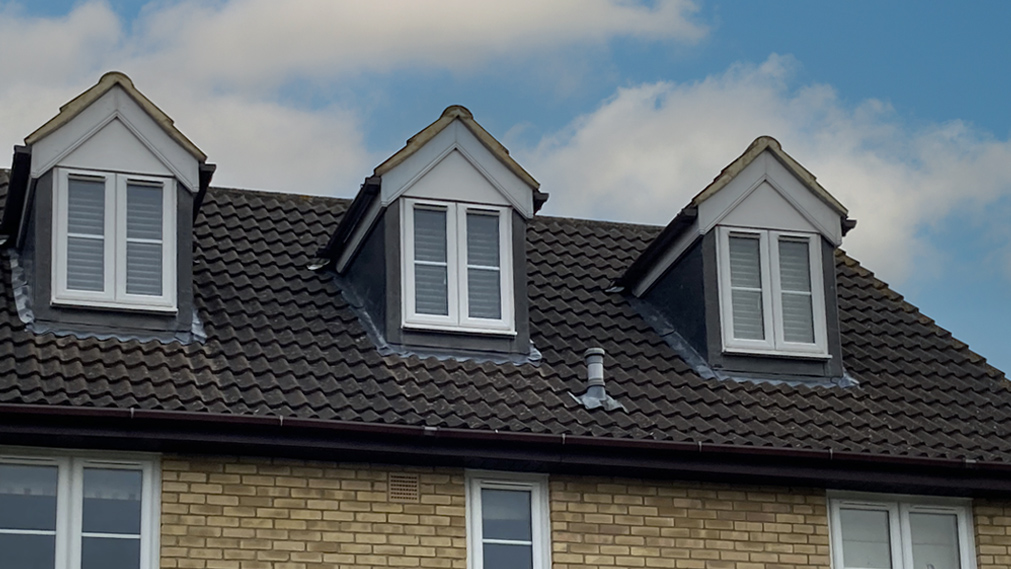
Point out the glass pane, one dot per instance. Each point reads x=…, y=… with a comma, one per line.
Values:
x=106, y=553
x=745, y=265
x=143, y=268
x=748, y=314
x=143, y=212
x=484, y=293
x=430, y=235
x=500, y=556
x=935, y=541
x=112, y=501
x=505, y=514
x=866, y=539
x=798, y=318
x=86, y=263
x=482, y=240
x=794, y=266
x=431, y=290
x=27, y=497
x=86, y=206
x=27, y=551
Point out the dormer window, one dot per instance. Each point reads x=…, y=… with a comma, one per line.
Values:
x=114, y=242
x=771, y=292
x=454, y=274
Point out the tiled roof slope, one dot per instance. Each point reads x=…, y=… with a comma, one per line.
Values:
x=283, y=341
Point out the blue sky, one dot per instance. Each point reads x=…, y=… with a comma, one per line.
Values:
x=622, y=110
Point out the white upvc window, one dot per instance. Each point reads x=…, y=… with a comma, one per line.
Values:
x=457, y=267
x=76, y=512
x=772, y=295
x=871, y=532
x=114, y=241
x=508, y=525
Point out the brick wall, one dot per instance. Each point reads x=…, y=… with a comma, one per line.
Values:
x=260, y=514
x=992, y=523
x=627, y=523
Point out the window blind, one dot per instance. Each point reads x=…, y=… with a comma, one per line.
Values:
x=506, y=529
x=746, y=287
x=144, y=239
x=431, y=277
x=86, y=234
x=795, y=287
x=484, y=282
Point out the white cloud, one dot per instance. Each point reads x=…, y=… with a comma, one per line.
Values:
x=646, y=151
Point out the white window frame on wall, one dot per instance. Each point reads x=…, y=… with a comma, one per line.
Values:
x=115, y=239
x=898, y=509
x=772, y=311
x=458, y=318
x=540, y=518
x=70, y=498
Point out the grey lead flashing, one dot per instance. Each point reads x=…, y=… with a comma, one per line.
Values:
x=701, y=367
x=386, y=348
x=23, y=302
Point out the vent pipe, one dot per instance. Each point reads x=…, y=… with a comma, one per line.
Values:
x=596, y=394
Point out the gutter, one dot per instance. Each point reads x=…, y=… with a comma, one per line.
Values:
x=190, y=418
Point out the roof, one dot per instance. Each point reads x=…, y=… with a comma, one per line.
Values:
x=283, y=341
x=452, y=113
x=107, y=82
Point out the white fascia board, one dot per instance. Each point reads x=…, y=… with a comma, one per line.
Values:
x=116, y=104
x=457, y=137
x=767, y=172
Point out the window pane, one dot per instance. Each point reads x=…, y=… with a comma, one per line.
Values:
x=482, y=240
x=431, y=292
x=143, y=212
x=798, y=318
x=866, y=539
x=430, y=235
x=27, y=551
x=935, y=541
x=745, y=265
x=748, y=314
x=27, y=498
x=505, y=514
x=484, y=293
x=794, y=265
x=106, y=553
x=143, y=268
x=86, y=264
x=112, y=501
x=501, y=556
x=86, y=207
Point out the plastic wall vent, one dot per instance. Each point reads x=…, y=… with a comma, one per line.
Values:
x=404, y=488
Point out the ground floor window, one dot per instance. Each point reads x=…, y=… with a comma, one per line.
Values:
x=507, y=521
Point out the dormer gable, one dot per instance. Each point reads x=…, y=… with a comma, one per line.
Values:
x=101, y=219
x=435, y=245
x=744, y=276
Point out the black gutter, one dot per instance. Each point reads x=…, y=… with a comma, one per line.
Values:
x=17, y=191
x=368, y=193
x=206, y=433
x=644, y=262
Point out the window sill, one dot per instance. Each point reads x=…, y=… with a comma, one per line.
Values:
x=778, y=354
x=414, y=327
x=114, y=306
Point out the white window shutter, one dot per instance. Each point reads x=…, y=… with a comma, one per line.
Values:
x=144, y=239
x=86, y=234
x=431, y=271
x=746, y=287
x=484, y=273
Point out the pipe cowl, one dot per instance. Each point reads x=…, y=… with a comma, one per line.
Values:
x=596, y=394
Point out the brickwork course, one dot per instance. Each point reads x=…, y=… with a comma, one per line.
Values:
x=992, y=523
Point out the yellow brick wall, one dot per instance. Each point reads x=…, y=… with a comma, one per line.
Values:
x=259, y=514
x=628, y=523
x=992, y=523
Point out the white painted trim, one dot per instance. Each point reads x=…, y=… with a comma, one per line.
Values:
x=540, y=514
x=772, y=311
x=898, y=508
x=456, y=262
x=70, y=495
x=114, y=295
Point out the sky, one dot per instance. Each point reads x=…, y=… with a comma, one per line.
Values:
x=623, y=110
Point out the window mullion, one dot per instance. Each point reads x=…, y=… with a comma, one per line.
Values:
x=902, y=536
x=456, y=231
x=770, y=290
x=117, y=260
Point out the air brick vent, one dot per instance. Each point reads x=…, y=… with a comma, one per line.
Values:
x=403, y=488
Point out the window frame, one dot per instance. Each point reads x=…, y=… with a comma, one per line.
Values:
x=458, y=319
x=540, y=514
x=115, y=240
x=772, y=311
x=899, y=508
x=70, y=498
